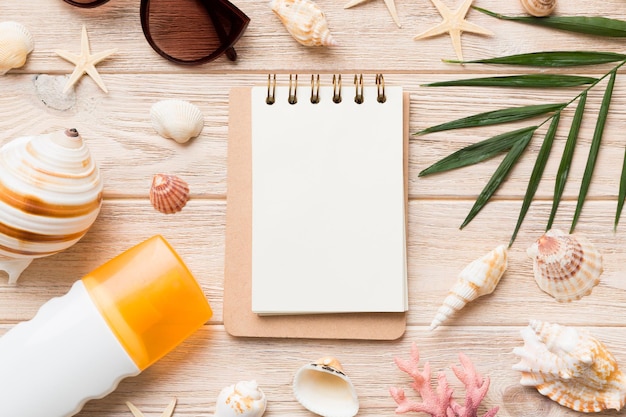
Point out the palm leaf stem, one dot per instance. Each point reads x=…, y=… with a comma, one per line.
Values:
x=622, y=194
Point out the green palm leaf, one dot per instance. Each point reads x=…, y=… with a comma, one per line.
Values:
x=525, y=81
x=591, y=25
x=553, y=59
x=510, y=114
x=535, y=176
x=566, y=159
x=500, y=174
x=622, y=193
x=595, y=146
x=478, y=152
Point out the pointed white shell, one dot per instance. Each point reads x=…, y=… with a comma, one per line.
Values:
x=565, y=266
x=50, y=194
x=478, y=278
x=176, y=119
x=571, y=367
x=16, y=42
x=305, y=21
x=244, y=399
x=323, y=388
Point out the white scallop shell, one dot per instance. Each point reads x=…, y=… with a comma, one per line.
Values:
x=50, y=194
x=571, y=367
x=323, y=388
x=539, y=8
x=176, y=119
x=565, y=266
x=243, y=399
x=305, y=21
x=16, y=42
x=478, y=278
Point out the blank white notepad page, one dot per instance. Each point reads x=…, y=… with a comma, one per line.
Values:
x=328, y=221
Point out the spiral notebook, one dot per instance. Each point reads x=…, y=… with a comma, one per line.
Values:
x=316, y=214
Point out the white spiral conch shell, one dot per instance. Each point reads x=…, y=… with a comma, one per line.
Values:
x=50, y=194
x=176, y=119
x=16, y=42
x=323, y=388
x=570, y=367
x=539, y=8
x=478, y=278
x=243, y=399
x=565, y=266
x=305, y=21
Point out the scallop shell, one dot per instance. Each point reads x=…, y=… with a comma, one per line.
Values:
x=565, y=266
x=323, y=388
x=539, y=8
x=478, y=278
x=243, y=399
x=176, y=119
x=50, y=194
x=570, y=367
x=16, y=42
x=168, y=193
x=305, y=21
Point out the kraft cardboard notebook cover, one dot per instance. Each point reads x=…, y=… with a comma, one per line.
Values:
x=239, y=319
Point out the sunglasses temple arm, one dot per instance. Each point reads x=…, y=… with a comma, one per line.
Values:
x=221, y=33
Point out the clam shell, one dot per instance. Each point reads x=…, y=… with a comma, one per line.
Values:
x=565, y=266
x=243, y=399
x=478, y=278
x=305, y=21
x=50, y=194
x=168, y=193
x=16, y=42
x=539, y=8
x=571, y=367
x=323, y=388
x=176, y=119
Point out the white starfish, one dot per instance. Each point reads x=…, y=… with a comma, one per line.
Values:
x=85, y=62
x=454, y=23
x=166, y=413
x=391, y=6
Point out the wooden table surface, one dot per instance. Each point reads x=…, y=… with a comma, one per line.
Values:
x=118, y=131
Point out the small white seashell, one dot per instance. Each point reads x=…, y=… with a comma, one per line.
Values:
x=176, y=119
x=570, y=367
x=168, y=193
x=305, y=21
x=323, y=388
x=50, y=194
x=478, y=278
x=565, y=266
x=539, y=8
x=16, y=42
x=243, y=399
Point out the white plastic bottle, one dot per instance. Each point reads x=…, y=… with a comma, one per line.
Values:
x=113, y=323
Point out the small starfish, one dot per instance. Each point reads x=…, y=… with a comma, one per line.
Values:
x=167, y=413
x=85, y=62
x=391, y=6
x=454, y=23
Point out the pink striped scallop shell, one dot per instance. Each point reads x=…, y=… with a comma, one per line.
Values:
x=168, y=193
x=565, y=266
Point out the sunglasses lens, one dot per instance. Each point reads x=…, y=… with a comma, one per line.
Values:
x=86, y=3
x=192, y=31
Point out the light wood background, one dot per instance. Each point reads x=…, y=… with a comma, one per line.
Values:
x=117, y=128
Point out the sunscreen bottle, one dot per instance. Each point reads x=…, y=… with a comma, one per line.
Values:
x=113, y=323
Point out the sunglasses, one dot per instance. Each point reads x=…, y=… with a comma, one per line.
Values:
x=188, y=31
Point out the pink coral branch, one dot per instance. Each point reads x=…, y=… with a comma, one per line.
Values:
x=439, y=402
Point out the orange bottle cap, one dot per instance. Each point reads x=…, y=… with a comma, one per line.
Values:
x=149, y=299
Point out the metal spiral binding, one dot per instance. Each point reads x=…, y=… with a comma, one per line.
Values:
x=315, y=89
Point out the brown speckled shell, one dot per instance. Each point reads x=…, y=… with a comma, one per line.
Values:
x=168, y=193
x=565, y=266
